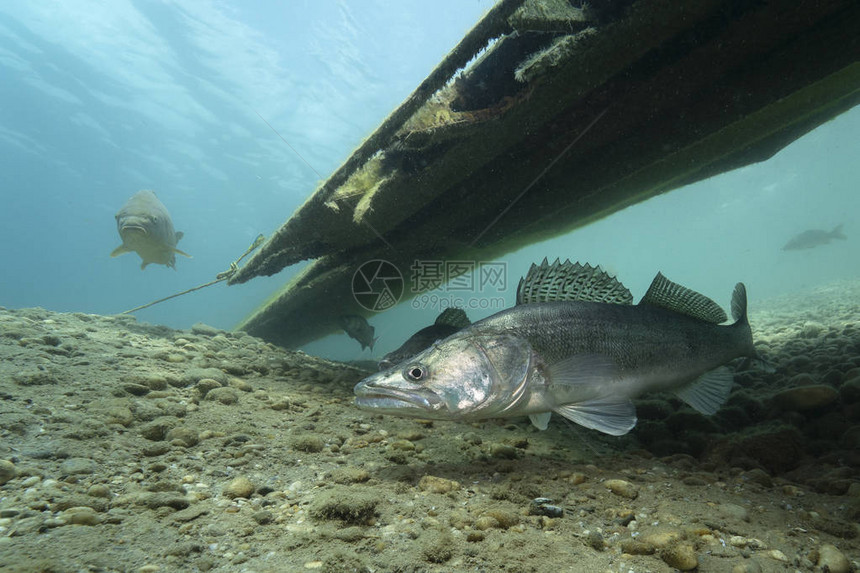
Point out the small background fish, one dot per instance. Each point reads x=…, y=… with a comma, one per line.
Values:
x=145, y=227
x=813, y=238
x=357, y=328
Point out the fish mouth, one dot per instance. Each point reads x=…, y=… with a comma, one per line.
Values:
x=371, y=397
x=133, y=228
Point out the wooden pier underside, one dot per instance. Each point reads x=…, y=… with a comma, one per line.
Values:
x=566, y=116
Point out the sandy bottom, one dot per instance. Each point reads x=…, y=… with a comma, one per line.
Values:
x=130, y=447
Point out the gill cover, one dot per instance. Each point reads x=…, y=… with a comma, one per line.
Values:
x=486, y=374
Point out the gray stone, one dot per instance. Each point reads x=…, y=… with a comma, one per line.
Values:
x=806, y=397
x=224, y=395
x=204, y=329
x=76, y=466
x=8, y=471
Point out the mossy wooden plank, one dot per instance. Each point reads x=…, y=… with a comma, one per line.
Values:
x=661, y=94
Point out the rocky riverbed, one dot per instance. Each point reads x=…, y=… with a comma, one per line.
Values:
x=138, y=448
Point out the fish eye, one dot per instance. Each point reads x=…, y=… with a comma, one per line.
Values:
x=415, y=372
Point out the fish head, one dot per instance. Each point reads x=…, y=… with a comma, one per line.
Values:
x=465, y=376
x=144, y=219
x=134, y=227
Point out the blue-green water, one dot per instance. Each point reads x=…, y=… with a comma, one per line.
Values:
x=98, y=101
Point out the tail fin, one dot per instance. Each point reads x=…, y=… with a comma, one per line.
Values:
x=739, y=313
x=739, y=304
x=837, y=233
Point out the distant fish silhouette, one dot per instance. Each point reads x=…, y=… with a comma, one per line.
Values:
x=813, y=238
x=146, y=229
x=357, y=328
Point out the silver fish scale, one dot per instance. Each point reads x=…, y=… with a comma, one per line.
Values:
x=631, y=336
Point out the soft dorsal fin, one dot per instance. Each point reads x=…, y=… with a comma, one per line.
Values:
x=455, y=317
x=570, y=281
x=672, y=296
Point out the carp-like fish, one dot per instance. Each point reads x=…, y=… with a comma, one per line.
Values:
x=813, y=238
x=357, y=328
x=146, y=229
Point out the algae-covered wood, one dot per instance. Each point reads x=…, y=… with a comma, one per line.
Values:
x=569, y=115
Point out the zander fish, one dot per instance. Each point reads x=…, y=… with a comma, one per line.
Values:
x=576, y=345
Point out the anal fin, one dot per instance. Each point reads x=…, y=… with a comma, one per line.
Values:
x=540, y=421
x=709, y=391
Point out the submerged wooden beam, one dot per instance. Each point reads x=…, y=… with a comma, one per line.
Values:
x=569, y=116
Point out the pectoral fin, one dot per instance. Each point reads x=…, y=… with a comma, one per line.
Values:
x=708, y=392
x=583, y=369
x=609, y=415
x=540, y=421
x=183, y=253
x=120, y=250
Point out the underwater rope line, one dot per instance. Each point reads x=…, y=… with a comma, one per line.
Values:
x=234, y=267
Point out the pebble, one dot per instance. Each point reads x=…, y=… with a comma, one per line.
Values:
x=194, y=375
x=502, y=451
x=486, y=522
x=157, y=429
x=733, y=511
x=8, y=471
x=748, y=566
x=622, y=487
x=184, y=437
x=543, y=506
x=850, y=390
x=225, y=395
x=636, y=547
x=81, y=516
x=239, y=487
x=204, y=385
x=154, y=500
x=204, y=329
x=263, y=517
x=661, y=539
x=832, y=560
x=99, y=490
x=435, y=484
x=757, y=476
x=681, y=556
x=241, y=385
x=78, y=466
x=777, y=555
x=594, y=539
x=309, y=443
x=750, y=542
x=806, y=397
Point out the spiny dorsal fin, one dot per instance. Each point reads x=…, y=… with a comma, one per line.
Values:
x=672, y=296
x=570, y=281
x=455, y=317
